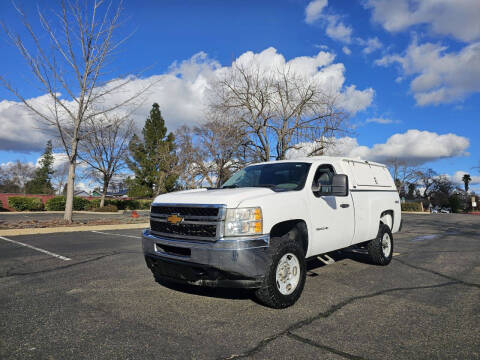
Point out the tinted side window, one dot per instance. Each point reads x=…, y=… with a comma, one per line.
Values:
x=324, y=178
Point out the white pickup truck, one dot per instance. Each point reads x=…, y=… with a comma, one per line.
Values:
x=258, y=229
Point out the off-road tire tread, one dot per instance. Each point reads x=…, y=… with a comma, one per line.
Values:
x=375, y=247
x=268, y=293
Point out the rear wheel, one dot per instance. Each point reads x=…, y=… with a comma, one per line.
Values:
x=285, y=276
x=380, y=249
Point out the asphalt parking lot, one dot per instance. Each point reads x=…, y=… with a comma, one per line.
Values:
x=98, y=300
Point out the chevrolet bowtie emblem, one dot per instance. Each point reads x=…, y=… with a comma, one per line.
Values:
x=174, y=219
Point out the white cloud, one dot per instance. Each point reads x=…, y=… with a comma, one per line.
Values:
x=457, y=18
x=353, y=100
x=19, y=129
x=82, y=186
x=334, y=27
x=319, y=68
x=317, y=12
x=9, y=165
x=321, y=47
x=59, y=160
x=439, y=77
x=457, y=178
x=182, y=91
x=314, y=9
x=370, y=45
x=337, y=30
x=415, y=147
x=382, y=121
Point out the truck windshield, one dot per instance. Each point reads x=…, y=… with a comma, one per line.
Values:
x=285, y=176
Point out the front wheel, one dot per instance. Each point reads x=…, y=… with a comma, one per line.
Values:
x=380, y=249
x=285, y=277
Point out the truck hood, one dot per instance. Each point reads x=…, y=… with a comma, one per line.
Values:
x=230, y=197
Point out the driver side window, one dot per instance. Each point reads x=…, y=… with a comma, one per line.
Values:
x=323, y=180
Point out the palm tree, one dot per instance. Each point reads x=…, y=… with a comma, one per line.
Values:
x=466, y=180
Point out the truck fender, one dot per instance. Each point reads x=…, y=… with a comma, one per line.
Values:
x=387, y=218
x=297, y=230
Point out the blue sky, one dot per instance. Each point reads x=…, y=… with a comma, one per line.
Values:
x=415, y=67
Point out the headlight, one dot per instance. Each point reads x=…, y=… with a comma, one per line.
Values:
x=243, y=221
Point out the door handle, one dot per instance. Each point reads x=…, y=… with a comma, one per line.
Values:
x=344, y=205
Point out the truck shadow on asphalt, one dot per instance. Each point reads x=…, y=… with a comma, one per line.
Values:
x=357, y=255
x=248, y=294
x=215, y=292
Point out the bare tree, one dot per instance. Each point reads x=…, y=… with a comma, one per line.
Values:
x=211, y=152
x=427, y=179
x=16, y=175
x=192, y=173
x=80, y=48
x=278, y=108
x=224, y=146
x=59, y=177
x=403, y=174
x=104, y=148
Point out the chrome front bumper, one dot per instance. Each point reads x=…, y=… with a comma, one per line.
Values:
x=236, y=261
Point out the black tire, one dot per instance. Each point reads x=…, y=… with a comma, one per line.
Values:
x=268, y=294
x=376, y=249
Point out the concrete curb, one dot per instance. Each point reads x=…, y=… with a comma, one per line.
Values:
x=416, y=212
x=35, y=231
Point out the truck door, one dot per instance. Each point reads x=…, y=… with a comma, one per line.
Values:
x=332, y=217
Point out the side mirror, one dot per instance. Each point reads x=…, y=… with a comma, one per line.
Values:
x=340, y=185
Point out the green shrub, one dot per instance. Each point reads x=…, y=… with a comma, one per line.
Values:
x=145, y=204
x=455, y=203
x=80, y=204
x=56, y=203
x=20, y=203
x=115, y=202
x=411, y=206
x=106, y=208
x=121, y=204
x=131, y=204
x=93, y=204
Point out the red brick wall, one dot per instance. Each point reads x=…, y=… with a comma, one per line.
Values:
x=4, y=198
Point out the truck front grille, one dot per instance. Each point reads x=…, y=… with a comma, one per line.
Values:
x=189, y=230
x=191, y=221
x=185, y=210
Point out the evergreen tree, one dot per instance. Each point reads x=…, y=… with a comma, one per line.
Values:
x=153, y=159
x=411, y=191
x=41, y=182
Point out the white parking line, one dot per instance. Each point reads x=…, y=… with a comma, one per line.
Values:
x=105, y=233
x=35, y=248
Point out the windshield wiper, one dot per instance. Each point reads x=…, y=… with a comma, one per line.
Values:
x=229, y=186
x=270, y=186
x=273, y=187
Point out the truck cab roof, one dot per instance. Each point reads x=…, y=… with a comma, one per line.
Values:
x=363, y=175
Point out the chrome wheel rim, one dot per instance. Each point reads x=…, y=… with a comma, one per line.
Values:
x=287, y=274
x=386, y=245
